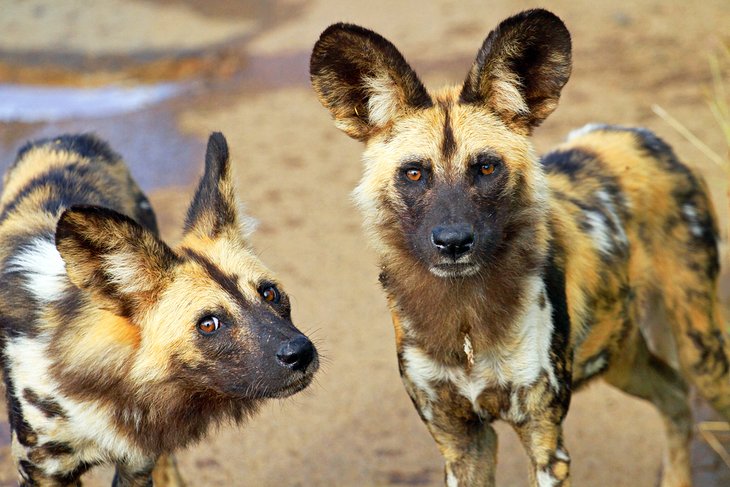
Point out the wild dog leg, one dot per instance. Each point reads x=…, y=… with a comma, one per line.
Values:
x=467, y=443
x=32, y=476
x=128, y=475
x=32, y=458
x=639, y=373
x=543, y=440
x=469, y=449
x=166, y=473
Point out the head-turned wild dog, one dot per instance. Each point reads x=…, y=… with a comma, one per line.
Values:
x=513, y=281
x=116, y=347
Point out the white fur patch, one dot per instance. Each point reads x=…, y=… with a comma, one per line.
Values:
x=545, y=479
x=43, y=268
x=383, y=105
x=594, y=366
x=586, y=129
x=515, y=413
x=620, y=235
x=454, y=272
x=247, y=224
x=561, y=454
x=690, y=214
x=127, y=272
x=451, y=480
x=536, y=330
x=599, y=231
x=507, y=94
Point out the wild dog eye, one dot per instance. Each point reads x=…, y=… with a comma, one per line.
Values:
x=414, y=174
x=270, y=294
x=486, y=163
x=209, y=325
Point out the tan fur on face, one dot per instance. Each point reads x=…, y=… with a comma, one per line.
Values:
x=165, y=332
x=418, y=136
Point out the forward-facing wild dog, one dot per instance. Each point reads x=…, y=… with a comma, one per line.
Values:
x=514, y=281
x=116, y=347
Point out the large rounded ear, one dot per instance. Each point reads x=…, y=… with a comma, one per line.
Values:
x=213, y=210
x=363, y=80
x=121, y=264
x=521, y=69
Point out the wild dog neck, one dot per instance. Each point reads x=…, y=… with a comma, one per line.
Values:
x=447, y=317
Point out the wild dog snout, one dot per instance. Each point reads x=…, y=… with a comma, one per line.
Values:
x=296, y=353
x=453, y=240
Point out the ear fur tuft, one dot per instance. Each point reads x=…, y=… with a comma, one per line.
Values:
x=521, y=68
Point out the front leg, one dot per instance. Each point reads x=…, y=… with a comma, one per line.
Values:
x=468, y=445
x=134, y=474
x=166, y=473
x=543, y=441
x=469, y=449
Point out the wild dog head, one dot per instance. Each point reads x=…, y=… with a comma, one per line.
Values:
x=450, y=178
x=203, y=320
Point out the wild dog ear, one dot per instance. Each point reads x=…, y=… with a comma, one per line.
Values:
x=113, y=257
x=363, y=80
x=521, y=68
x=213, y=209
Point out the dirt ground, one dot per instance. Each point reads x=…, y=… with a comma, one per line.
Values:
x=241, y=67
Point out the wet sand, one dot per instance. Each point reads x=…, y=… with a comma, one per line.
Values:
x=244, y=71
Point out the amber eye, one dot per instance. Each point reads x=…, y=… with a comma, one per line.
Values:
x=270, y=294
x=487, y=169
x=413, y=174
x=209, y=325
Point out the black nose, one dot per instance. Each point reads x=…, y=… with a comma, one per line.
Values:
x=453, y=240
x=297, y=353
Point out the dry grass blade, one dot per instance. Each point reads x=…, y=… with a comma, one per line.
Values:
x=719, y=104
x=691, y=138
x=718, y=99
x=709, y=431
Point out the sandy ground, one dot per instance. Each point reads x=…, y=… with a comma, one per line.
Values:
x=243, y=70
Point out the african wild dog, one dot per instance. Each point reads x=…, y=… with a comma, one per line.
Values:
x=116, y=347
x=513, y=281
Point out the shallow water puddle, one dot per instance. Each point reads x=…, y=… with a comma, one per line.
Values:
x=28, y=104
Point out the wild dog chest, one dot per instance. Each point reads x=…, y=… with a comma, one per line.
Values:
x=508, y=380
x=491, y=388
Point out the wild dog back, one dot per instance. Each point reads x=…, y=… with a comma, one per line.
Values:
x=116, y=347
x=639, y=237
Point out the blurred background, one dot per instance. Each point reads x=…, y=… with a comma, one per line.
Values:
x=154, y=78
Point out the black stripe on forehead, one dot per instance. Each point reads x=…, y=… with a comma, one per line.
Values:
x=448, y=144
x=228, y=282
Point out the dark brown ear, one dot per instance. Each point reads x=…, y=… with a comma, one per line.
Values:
x=363, y=80
x=213, y=209
x=521, y=68
x=122, y=264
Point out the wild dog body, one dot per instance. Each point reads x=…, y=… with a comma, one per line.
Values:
x=513, y=281
x=117, y=348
